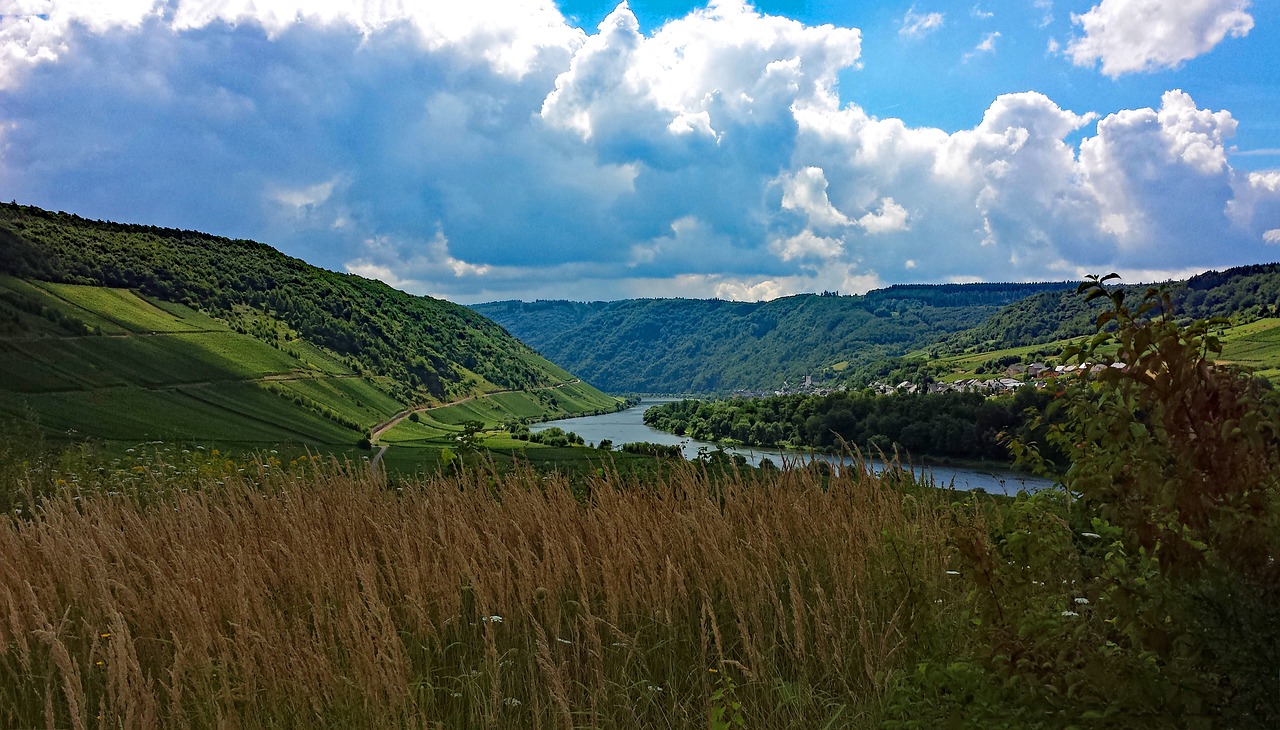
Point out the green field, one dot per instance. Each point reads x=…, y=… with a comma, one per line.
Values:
x=426, y=431
x=566, y=399
x=964, y=367
x=111, y=311
x=110, y=364
x=87, y=361
x=1255, y=345
x=210, y=413
x=356, y=399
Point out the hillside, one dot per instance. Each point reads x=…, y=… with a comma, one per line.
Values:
x=707, y=346
x=432, y=345
x=1244, y=293
x=133, y=332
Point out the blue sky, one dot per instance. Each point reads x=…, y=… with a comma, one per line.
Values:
x=589, y=150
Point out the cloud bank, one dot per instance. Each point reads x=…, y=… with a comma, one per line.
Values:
x=1128, y=36
x=491, y=150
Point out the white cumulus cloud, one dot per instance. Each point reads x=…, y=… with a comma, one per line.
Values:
x=807, y=244
x=491, y=150
x=1129, y=36
x=915, y=25
x=510, y=35
x=1161, y=176
x=986, y=45
x=806, y=191
x=890, y=218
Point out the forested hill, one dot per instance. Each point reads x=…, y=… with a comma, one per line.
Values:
x=431, y=346
x=1244, y=292
x=707, y=346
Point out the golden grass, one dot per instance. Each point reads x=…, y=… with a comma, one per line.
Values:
x=330, y=598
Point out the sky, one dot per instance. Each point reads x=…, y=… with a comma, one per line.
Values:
x=528, y=149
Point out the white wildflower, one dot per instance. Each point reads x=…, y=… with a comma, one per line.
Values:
x=1070, y=613
x=1082, y=601
x=512, y=702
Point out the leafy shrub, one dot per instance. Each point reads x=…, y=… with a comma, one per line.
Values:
x=1146, y=593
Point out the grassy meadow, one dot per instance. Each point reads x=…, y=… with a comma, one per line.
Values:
x=163, y=595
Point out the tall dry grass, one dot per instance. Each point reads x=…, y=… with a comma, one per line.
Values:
x=329, y=598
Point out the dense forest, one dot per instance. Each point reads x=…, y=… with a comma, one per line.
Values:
x=713, y=346
x=954, y=425
x=708, y=346
x=434, y=346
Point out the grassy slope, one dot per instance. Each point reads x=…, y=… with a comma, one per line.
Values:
x=128, y=368
x=262, y=349
x=162, y=370
x=433, y=349
x=1254, y=345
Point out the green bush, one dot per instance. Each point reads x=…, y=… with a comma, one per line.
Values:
x=1145, y=593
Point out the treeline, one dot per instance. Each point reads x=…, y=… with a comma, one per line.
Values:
x=430, y=344
x=709, y=346
x=954, y=425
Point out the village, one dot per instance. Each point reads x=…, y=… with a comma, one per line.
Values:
x=1014, y=376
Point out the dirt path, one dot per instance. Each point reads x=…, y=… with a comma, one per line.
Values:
x=376, y=432
x=377, y=458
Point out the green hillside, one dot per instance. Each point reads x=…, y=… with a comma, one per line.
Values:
x=130, y=333
x=1243, y=293
x=712, y=346
x=431, y=347
x=111, y=364
x=705, y=346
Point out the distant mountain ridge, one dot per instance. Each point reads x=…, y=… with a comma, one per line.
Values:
x=708, y=346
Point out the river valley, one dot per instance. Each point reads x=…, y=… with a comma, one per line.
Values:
x=628, y=426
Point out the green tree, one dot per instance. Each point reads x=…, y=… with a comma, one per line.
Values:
x=1146, y=592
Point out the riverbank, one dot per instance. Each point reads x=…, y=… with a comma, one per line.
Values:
x=628, y=426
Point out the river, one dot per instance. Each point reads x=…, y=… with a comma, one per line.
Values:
x=628, y=426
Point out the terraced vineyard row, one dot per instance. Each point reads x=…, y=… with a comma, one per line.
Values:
x=111, y=364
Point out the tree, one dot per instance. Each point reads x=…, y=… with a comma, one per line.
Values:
x=1175, y=470
x=469, y=439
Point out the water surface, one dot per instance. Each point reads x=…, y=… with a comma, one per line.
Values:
x=628, y=426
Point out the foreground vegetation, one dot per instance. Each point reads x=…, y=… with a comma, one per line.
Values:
x=464, y=601
x=193, y=590
x=185, y=588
